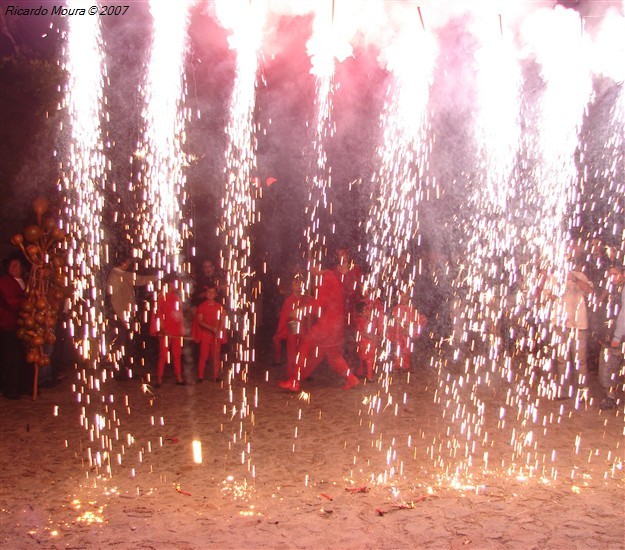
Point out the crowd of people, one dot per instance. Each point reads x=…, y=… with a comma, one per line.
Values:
x=335, y=320
x=343, y=321
x=332, y=313
x=167, y=320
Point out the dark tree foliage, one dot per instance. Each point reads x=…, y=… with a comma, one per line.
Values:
x=29, y=96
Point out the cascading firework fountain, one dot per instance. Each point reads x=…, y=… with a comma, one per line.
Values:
x=520, y=209
x=403, y=155
x=487, y=263
x=555, y=183
x=393, y=223
x=84, y=174
x=160, y=217
x=238, y=209
x=321, y=51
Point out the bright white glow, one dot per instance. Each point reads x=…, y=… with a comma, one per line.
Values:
x=163, y=140
x=197, y=451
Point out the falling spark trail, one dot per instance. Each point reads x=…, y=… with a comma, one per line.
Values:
x=163, y=178
x=320, y=179
x=568, y=89
x=554, y=186
x=245, y=20
x=326, y=44
x=605, y=184
x=84, y=176
x=487, y=263
x=403, y=155
x=393, y=218
x=84, y=173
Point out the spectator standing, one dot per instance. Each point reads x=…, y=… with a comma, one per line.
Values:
x=569, y=334
x=13, y=363
x=168, y=324
x=209, y=330
x=612, y=358
x=120, y=287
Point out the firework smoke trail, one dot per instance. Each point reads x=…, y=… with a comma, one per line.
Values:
x=84, y=173
x=553, y=193
x=323, y=48
x=163, y=178
x=604, y=180
x=487, y=269
x=393, y=218
x=614, y=219
x=245, y=20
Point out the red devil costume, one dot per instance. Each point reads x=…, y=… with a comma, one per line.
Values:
x=209, y=332
x=292, y=326
x=325, y=339
x=350, y=276
x=168, y=324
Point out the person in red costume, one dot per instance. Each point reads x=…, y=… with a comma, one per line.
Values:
x=209, y=331
x=168, y=324
x=405, y=326
x=351, y=279
x=325, y=338
x=369, y=324
x=12, y=360
x=292, y=326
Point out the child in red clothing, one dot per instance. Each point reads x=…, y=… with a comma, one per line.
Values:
x=404, y=328
x=369, y=324
x=168, y=324
x=209, y=332
x=291, y=326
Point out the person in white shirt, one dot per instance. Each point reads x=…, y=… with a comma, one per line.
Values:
x=570, y=332
x=120, y=286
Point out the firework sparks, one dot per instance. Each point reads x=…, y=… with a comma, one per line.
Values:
x=393, y=222
x=84, y=174
x=503, y=250
x=161, y=148
x=84, y=177
x=246, y=21
x=323, y=47
x=393, y=219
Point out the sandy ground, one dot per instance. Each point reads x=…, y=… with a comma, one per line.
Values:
x=415, y=461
